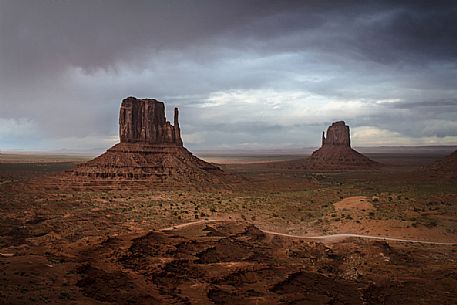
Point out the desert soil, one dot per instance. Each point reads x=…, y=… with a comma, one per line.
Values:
x=64, y=246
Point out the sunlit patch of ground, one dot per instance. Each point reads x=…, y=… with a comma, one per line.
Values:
x=354, y=203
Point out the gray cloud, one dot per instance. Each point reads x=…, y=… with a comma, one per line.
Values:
x=291, y=67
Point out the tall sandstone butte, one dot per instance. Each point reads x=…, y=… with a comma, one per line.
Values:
x=150, y=154
x=336, y=152
x=143, y=121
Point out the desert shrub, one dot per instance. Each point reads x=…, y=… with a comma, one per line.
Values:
x=64, y=295
x=431, y=223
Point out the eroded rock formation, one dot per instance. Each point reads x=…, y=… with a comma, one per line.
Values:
x=150, y=153
x=337, y=134
x=336, y=152
x=143, y=121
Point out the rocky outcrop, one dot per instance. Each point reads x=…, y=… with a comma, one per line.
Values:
x=150, y=154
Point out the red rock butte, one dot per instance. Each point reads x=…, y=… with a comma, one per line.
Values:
x=336, y=152
x=143, y=121
x=150, y=154
x=337, y=134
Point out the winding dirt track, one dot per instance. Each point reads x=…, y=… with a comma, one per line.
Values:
x=330, y=237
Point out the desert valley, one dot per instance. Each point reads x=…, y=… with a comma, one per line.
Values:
x=242, y=152
x=147, y=222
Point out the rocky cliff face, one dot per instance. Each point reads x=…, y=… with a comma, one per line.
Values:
x=337, y=134
x=143, y=121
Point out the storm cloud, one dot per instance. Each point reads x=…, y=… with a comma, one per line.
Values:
x=246, y=74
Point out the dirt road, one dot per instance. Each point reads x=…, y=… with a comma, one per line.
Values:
x=330, y=237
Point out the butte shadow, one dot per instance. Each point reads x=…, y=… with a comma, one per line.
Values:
x=150, y=154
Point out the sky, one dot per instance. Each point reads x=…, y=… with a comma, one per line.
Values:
x=245, y=74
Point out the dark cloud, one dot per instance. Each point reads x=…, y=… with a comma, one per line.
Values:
x=65, y=65
x=448, y=103
x=50, y=35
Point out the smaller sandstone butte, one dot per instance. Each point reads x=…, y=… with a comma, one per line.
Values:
x=336, y=152
x=150, y=154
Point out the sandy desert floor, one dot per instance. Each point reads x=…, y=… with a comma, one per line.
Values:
x=267, y=239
